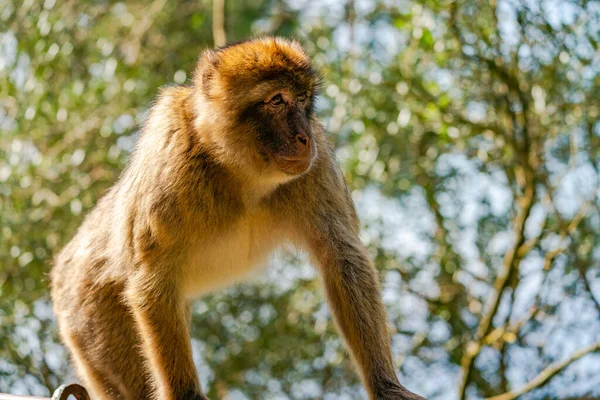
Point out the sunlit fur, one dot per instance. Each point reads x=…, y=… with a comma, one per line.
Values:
x=201, y=205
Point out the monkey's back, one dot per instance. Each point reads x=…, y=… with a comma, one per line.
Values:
x=81, y=267
x=99, y=253
x=141, y=214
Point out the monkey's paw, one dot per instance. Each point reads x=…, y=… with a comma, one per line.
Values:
x=191, y=395
x=395, y=391
x=400, y=395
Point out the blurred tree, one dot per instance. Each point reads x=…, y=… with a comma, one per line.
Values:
x=468, y=130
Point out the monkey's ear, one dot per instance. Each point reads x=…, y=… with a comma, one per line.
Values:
x=205, y=71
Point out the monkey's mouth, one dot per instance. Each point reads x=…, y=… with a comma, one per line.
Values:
x=295, y=165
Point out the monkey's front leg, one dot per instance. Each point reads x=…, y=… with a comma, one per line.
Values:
x=161, y=318
x=354, y=297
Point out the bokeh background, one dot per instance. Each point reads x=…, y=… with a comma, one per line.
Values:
x=468, y=132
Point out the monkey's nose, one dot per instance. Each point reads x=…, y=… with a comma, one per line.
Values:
x=301, y=159
x=303, y=139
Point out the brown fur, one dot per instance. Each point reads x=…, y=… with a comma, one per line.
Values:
x=204, y=200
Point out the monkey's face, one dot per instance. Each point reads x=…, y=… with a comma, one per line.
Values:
x=285, y=137
x=265, y=90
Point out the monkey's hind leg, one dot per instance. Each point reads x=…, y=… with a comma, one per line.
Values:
x=97, y=385
x=105, y=347
x=110, y=370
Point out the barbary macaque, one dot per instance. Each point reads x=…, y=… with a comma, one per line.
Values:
x=226, y=170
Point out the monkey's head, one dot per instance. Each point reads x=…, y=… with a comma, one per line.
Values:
x=261, y=94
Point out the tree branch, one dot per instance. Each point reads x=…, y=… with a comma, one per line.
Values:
x=131, y=48
x=218, y=23
x=512, y=259
x=547, y=374
x=586, y=284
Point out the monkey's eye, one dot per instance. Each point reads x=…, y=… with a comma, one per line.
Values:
x=277, y=100
x=301, y=97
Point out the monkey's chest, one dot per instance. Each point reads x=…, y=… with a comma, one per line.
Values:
x=220, y=261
